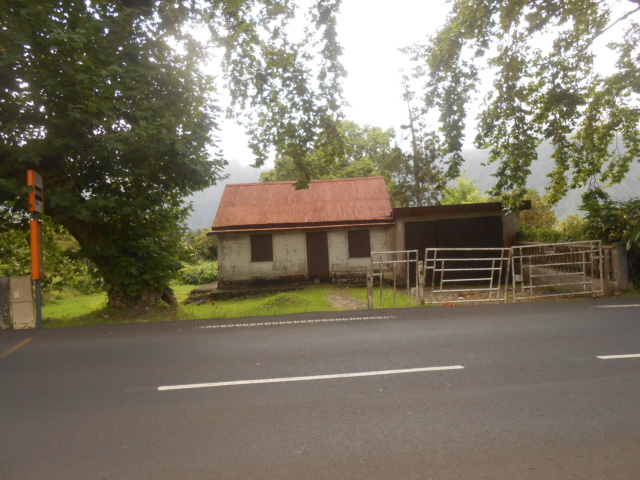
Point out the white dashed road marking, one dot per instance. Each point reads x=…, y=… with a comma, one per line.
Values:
x=613, y=357
x=631, y=305
x=306, y=379
x=296, y=322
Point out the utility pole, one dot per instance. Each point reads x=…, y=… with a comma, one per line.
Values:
x=36, y=205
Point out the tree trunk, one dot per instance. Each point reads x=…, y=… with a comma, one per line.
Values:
x=121, y=300
x=90, y=235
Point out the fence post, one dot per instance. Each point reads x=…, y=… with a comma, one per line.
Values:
x=422, y=273
x=607, y=262
x=5, y=317
x=370, y=288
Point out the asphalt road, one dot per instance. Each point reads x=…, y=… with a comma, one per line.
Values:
x=480, y=392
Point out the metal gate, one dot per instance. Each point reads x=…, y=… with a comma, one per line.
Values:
x=458, y=275
x=397, y=265
x=557, y=269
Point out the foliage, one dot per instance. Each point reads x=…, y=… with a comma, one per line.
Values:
x=540, y=216
x=108, y=101
x=203, y=247
x=62, y=267
x=365, y=151
x=418, y=178
x=413, y=178
x=543, y=235
x=615, y=223
x=573, y=228
x=462, y=191
x=545, y=86
x=199, y=274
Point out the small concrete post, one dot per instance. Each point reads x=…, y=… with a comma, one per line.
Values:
x=620, y=270
x=5, y=311
x=21, y=290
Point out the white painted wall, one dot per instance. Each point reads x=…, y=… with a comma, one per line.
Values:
x=290, y=255
x=381, y=239
x=234, y=257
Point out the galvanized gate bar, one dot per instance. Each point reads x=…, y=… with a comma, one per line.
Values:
x=438, y=262
x=576, y=266
x=381, y=261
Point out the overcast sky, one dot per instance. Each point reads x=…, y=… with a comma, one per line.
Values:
x=371, y=33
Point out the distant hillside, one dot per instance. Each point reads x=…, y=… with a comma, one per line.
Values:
x=474, y=170
x=205, y=203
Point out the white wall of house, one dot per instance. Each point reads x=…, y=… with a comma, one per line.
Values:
x=290, y=254
x=381, y=239
x=234, y=257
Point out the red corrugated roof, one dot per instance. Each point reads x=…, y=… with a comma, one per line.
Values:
x=349, y=200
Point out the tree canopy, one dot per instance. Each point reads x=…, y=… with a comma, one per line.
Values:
x=364, y=151
x=107, y=100
x=413, y=176
x=462, y=191
x=545, y=86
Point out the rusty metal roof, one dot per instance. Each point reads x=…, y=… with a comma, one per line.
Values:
x=326, y=202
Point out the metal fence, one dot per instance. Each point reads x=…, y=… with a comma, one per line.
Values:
x=458, y=275
x=557, y=269
x=394, y=266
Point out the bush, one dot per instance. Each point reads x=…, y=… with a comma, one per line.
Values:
x=616, y=223
x=199, y=274
x=573, y=228
x=543, y=235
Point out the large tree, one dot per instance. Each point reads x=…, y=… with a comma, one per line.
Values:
x=108, y=101
x=539, y=55
x=362, y=151
x=417, y=173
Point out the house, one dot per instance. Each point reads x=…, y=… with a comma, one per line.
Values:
x=476, y=225
x=271, y=232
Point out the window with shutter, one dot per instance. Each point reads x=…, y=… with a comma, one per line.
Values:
x=359, y=244
x=261, y=248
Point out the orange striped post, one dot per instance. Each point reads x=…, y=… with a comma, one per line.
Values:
x=36, y=205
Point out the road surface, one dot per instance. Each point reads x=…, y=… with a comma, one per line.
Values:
x=519, y=391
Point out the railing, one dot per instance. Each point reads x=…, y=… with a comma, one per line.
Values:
x=454, y=273
x=557, y=269
x=397, y=265
x=459, y=275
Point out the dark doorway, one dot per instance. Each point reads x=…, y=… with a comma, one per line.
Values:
x=472, y=232
x=318, y=256
x=418, y=236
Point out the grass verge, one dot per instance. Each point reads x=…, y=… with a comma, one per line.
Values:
x=92, y=309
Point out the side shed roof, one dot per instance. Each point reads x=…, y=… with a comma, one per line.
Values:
x=276, y=205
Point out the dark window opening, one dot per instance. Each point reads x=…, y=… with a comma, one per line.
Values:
x=359, y=244
x=261, y=248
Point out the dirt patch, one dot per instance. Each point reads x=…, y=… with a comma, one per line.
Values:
x=341, y=300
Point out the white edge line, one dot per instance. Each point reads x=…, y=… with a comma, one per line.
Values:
x=611, y=357
x=303, y=379
x=628, y=305
x=295, y=322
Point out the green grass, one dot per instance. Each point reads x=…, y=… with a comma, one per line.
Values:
x=92, y=309
x=309, y=299
x=67, y=309
x=360, y=293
